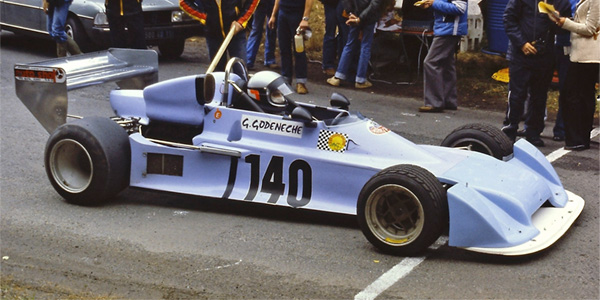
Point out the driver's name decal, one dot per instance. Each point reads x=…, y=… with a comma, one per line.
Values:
x=272, y=126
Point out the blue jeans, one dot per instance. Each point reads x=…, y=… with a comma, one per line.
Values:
x=287, y=23
x=55, y=21
x=236, y=48
x=263, y=11
x=330, y=45
x=346, y=60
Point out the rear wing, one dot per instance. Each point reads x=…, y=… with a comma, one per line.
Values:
x=43, y=86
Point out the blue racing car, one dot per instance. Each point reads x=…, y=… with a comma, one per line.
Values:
x=233, y=136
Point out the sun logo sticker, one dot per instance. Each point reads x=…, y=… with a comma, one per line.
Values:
x=377, y=129
x=332, y=141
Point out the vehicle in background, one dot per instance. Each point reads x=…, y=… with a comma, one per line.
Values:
x=166, y=25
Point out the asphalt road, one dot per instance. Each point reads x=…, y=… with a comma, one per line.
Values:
x=158, y=245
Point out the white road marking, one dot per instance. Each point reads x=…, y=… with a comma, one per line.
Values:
x=396, y=273
x=405, y=266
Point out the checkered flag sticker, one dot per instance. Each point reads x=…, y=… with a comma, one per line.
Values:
x=332, y=141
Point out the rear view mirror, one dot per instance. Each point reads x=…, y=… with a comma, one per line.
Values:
x=209, y=88
x=339, y=101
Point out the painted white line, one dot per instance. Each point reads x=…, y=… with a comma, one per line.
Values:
x=406, y=266
x=396, y=273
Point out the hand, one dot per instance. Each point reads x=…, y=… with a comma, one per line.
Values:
x=272, y=22
x=45, y=5
x=303, y=25
x=238, y=27
x=529, y=49
x=427, y=4
x=352, y=20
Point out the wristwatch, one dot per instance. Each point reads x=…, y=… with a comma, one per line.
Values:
x=305, y=19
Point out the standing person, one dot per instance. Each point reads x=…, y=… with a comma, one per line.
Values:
x=330, y=40
x=290, y=16
x=439, y=67
x=583, y=72
x=218, y=16
x=363, y=15
x=531, y=65
x=264, y=10
x=126, y=23
x=56, y=12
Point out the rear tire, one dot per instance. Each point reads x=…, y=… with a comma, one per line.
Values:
x=483, y=138
x=88, y=160
x=402, y=210
x=172, y=50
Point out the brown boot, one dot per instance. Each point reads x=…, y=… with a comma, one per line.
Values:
x=72, y=46
x=61, y=49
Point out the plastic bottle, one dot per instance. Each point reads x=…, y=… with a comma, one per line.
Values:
x=299, y=41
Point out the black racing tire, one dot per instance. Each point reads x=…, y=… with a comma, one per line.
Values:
x=402, y=210
x=88, y=160
x=75, y=30
x=171, y=50
x=482, y=138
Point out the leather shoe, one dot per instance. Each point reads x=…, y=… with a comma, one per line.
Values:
x=301, y=88
x=429, y=108
x=576, y=148
x=536, y=141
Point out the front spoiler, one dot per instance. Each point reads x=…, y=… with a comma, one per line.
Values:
x=552, y=222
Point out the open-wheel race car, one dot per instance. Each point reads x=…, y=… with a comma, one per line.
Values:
x=233, y=136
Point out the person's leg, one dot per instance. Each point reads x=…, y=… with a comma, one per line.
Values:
x=346, y=60
x=562, y=64
x=329, y=40
x=580, y=104
x=449, y=66
x=539, y=85
x=270, y=38
x=213, y=44
x=255, y=36
x=365, y=53
x=433, y=71
x=137, y=35
x=285, y=35
x=300, y=60
x=517, y=93
x=118, y=34
x=237, y=46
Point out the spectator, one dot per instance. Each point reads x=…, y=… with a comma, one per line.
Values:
x=56, y=12
x=217, y=18
x=264, y=10
x=126, y=23
x=330, y=41
x=363, y=15
x=531, y=65
x=290, y=16
x=579, y=102
x=439, y=67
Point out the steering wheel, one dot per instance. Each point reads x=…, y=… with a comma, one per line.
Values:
x=339, y=116
x=240, y=71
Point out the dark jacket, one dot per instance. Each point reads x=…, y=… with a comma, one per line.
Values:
x=524, y=23
x=123, y=7
x=369, y=11
x=217, y=19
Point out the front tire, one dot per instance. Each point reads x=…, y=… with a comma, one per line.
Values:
x=483, y=138
x=75, y=30
x=88, y=160
x=402, y=210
